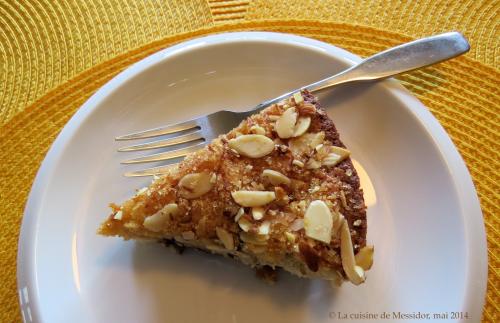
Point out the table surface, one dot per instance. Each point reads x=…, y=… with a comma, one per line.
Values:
x=55, y=54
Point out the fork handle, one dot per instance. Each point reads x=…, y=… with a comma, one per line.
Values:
x=403, y=58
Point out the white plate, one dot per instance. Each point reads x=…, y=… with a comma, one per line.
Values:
x=423, y=213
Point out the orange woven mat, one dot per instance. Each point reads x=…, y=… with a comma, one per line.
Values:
x=55, y=54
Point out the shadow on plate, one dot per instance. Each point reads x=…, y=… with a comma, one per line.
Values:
x=225, y=277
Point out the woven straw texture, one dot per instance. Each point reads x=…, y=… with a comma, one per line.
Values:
x=55, y=54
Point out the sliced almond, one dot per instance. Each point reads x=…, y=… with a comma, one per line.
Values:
x=297, y=97
x=318, y=221
x=285, y=125
x=297, y=225
x=275, y=178
x=316, y=139
x=258, y=130
x=253, y=198
x=264, y=228
x=313, y=164
x=258, y=212
x=307, y=109
x=225, y=237
x=195, y=185
x=157, y=221
x=353, y=272
x=253, y=146
x=305, y=143
x=188, y=235
x=297, y=163
x=301, y=126
x=336, y=155
x=364, y=257
x=240, y=213
x=245, y=224
x=118, y=215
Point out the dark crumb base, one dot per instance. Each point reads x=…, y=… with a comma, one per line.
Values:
x=267, y=274
x=178, y=247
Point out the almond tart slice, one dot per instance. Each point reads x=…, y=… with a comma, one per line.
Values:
x=279, y=190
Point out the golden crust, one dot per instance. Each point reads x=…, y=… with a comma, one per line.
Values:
x=198, y=218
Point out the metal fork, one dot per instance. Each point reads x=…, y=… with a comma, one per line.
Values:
x=197, y=133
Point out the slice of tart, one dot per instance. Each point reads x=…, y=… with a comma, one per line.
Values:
x=277, y=191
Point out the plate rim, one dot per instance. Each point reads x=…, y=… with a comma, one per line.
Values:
x=474, y=231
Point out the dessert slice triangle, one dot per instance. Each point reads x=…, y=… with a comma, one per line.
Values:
x=277, y=191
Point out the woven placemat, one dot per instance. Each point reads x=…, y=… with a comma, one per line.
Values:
x=53, y=56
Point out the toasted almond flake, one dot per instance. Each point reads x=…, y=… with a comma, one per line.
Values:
x=305, y=143
x=301, y=126
x=275, y=177
x=118, y=216
x=313, y=164
x=297, y=163
x=258, y=212
x=364, y=257
x=225, y=237
x=264, y=228
x=253, y=198
x=188, y=235
x=273, y=117
x=240, y=213
x=318, y=221
x=307, y=109
x=253, y=146
x=297, y=96
x=297, y=225
x=353, y=272
x=244, y=224
x=157, y=221
x=258, y=130
x=195, y=185
x=336, y=155
x=316, y=139
x=285, y=125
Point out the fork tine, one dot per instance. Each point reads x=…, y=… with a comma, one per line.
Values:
x=166, y=155
x=192, y=124
x=150, y=171
x=164, y=143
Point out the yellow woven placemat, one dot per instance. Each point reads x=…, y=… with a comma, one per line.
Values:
x=55, y=54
